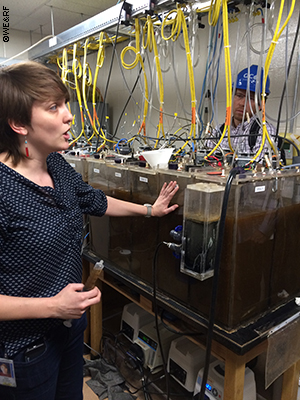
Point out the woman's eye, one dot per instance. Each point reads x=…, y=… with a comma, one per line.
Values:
x=53, y=107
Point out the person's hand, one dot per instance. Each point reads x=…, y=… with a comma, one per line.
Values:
x=161, y=205
x=71, y=302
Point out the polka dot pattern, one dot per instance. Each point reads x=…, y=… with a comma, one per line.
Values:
x=40, y=240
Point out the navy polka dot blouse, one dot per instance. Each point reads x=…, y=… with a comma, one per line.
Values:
x=40, y=241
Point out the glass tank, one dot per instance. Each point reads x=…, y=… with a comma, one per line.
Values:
x=202, y=211
x=258, y=262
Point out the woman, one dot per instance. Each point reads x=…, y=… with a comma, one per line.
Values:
x=42, y=200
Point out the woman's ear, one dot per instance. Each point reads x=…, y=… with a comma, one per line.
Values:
x=18, y=127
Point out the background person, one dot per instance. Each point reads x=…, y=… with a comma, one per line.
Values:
x=245, y=129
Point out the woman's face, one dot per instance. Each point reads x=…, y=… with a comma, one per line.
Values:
x=4, y=369
x=50, y=123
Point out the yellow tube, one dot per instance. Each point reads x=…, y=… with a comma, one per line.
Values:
x=275, y=39
x=150, y=43
x=227, y=79
x=138, y=59
x=179, y=24
x=86, y=81
x=76, y=66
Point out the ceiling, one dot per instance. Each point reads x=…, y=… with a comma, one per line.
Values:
x=35, y=15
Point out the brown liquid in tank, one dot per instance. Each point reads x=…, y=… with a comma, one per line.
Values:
x=259, y=263
x=258, y=266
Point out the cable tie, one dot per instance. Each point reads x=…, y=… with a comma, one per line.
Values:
x=264, y=123
x=227, y=46
x=273, y=41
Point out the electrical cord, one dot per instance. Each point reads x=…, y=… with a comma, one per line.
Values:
x=150, y=43
x=90, y=348
x=134, y=363
x=127, y=102
x=138, y=59
x=77, y=74
x=176, y=82
x=179, y=24
x=209, y=64
x=136, y=389
x=285, y=83
x=227, y=70
x=145, y=390
x=155, y=309
x=157, y=394
x=275, y=39
x=216, y=68
x=179, y=333
x=145, y=378
x=110, y=70
x=146, y=100
x=214, y=293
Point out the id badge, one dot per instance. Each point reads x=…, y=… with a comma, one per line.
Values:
x=7, y=372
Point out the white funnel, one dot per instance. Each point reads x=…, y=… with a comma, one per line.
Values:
x=158, y=158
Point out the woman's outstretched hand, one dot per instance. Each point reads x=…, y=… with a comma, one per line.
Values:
x=161, y=206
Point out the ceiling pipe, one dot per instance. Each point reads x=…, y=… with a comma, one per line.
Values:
x=52, y=21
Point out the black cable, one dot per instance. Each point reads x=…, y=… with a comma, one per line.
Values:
x=146, y=390
x=155, y=309
x=126, y=104
x=110, y=71
x=111, y=358
x=231, y=176
x=284, y=87
x=145, y=378
x=147, y=384
x=144, y=384
x=179, y=333
x=113, y=341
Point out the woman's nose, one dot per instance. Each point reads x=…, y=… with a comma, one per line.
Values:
x=69, y=116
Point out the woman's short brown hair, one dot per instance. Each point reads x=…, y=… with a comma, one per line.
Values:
x=20, y=86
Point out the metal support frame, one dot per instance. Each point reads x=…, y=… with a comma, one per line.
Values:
x=101, y=22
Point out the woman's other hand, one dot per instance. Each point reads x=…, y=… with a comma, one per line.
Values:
x=71, y=302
